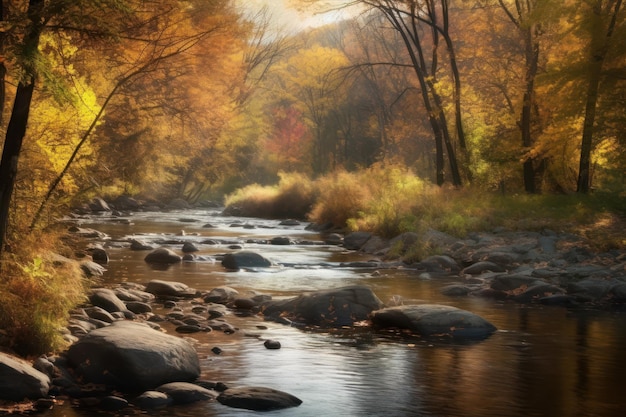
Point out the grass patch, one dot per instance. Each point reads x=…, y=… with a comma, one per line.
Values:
x=389, y=200
x=36, y=294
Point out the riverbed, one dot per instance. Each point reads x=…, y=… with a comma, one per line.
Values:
x=542, y=361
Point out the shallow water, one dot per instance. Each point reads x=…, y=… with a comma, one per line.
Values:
x=543, y=361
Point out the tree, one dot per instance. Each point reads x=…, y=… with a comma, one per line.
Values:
x=603, y=17
x=413, y=20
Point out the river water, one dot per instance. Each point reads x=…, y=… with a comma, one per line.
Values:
x=543, y=361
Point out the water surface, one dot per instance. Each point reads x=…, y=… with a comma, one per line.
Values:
x=543, y=361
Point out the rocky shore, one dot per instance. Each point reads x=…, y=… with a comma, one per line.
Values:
x=120, y=358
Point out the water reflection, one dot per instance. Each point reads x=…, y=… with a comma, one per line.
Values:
x=543, y=361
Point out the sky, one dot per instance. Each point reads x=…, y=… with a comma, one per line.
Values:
x=289, y=18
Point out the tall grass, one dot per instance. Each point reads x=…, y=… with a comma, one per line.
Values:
x=36, y=294
x=292, y=197
x=388, y=200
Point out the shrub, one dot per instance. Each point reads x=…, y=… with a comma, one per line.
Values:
x=291, y=198
x=341, y=196
x=36, y=294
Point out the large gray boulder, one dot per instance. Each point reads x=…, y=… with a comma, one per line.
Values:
x=19, y=380
x=328, y=308
x=434, y=320
x=107, y=299
x=258, y=399
x=244, y=259
x=133, y=356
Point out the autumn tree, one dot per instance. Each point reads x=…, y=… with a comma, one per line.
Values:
x=25, y=24
x=604, y=18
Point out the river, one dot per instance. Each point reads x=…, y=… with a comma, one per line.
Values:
x=543, y=361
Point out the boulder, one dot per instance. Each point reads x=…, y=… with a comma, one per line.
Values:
x=153, y=399
x=186, y=393
x=107, y=299
x=100, y=256
x=328, y=308
x=189, y=247
x=258, y=399
x=92, y=269
x=99, y=205
x=244, y=259
x=133, y=356
x=165, y=289
x=125, y=202
x=136, y=244
x=19, y=380
x=356, y=240
x=221, y=295
x=163, y=256
x=434, y=320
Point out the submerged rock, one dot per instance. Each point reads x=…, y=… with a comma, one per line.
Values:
x=258, y=399
x=434, y=320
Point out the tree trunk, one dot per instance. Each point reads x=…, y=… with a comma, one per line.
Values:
x=11, y=151
x=599, y=45
x=532, y=58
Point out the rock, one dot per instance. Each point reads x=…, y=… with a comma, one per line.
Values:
x=189, y=247
x=136, y=244
x=483, y=266
x=87, y=233
x=618, y=293
x=258, y=399
x=456, y=290
x=221, y=295
x=138, y=307
x=514, y=281
x=356, y=240
x=134, y=294
x=281, y=241
x=106, y=299
x=186, y=393
x=591, y=289
x=215, y=310
x=333, y=239
x=537, y=292
x=112, y=403
x=163, y=256
x=165, y=289
x=92, y=269
x=99, y=205
x=434, y=320
x=99, y=313
x=244, y=259
x=329, y=308
x=100, y=256
x=245, y=303
x=133, y=356
x=126, y=203
x=272, y=344
x=178, y=204
x=153, y=399
x=445, y=262
x=19, y=380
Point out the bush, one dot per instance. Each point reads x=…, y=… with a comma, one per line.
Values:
x=291, y=198
x=36, y=294
x=341, y=196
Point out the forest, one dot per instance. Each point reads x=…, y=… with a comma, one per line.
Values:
x=196, y=99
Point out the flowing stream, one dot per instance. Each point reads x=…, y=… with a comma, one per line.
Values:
x=543, y=361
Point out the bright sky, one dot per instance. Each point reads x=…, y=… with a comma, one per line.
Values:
x=290, y=18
